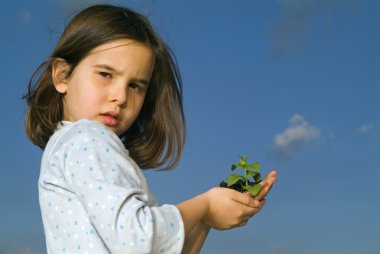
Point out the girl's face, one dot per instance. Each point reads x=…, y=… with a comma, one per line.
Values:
x=109, y=85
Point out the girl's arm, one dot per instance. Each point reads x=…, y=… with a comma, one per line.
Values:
x=195, y=240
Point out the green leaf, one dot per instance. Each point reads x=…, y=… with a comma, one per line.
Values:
x=257, y=177
x=255, y=166
x=251, y=174
x=243, y=160
x=233, y=167
x=254, y=190
x=233, y=178
x=257, y=188
x=249, y=188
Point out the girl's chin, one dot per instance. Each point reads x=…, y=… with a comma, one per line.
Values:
x=116, y=130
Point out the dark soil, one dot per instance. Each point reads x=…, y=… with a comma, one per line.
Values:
x=235, y=186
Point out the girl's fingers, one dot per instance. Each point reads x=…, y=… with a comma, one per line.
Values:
x=252, y=211
x=262, y=203
x=245, y=199
x=267, y=184
x=243, y=223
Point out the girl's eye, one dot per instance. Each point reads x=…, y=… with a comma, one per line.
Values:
x=133, y=86
x=105, y=74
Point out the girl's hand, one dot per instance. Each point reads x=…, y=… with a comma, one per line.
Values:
x=228, y=208
x=223, y=208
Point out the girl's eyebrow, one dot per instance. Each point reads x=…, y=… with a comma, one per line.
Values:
x=113, y=70
x=107, y=67
x=141, y=81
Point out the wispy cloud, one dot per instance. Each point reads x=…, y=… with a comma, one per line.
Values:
x=291, y=31
x=365, y=128
x=279, y=248
x=24, y=17
x=16, y=248
x=72, y=6
x=296, y=136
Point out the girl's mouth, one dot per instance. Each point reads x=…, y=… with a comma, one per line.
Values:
x=110, y=118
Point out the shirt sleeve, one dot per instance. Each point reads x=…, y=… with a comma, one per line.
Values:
x=114, y=194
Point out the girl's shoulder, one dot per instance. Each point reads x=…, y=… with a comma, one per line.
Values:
x=84, y=130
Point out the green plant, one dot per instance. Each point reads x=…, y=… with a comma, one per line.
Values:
x=242, y=181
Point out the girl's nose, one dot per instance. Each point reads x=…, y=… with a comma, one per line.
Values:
x=119, y=94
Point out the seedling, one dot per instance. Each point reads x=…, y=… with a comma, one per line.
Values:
x=241, y=182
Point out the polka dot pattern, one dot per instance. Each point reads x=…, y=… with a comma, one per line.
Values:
x=95, y=199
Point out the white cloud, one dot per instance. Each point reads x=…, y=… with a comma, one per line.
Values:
x=297, y=135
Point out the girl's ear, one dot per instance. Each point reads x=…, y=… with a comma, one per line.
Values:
x=60, y=70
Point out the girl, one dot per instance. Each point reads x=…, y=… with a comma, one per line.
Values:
x=107, y=103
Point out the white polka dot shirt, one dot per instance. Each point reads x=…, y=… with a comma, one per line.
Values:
x=95, y=199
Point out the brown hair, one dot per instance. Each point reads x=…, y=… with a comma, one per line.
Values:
x=156, y=138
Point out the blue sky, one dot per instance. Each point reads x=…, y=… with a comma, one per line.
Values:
x=295, y=84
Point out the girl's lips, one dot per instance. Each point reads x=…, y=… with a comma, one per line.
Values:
x=110, y=119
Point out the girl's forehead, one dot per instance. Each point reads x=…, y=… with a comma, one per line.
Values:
x=122, y=55
x=123, y=51
x=113, y=44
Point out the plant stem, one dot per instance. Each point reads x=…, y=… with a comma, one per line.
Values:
x=245, y=177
